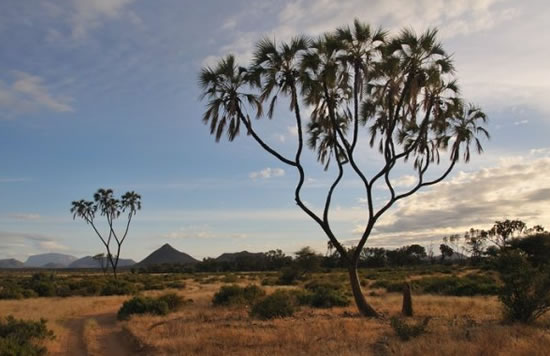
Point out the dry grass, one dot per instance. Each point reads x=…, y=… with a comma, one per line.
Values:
x=459, y=326
x=465, y=326
x=65, y=315
x=91, y=335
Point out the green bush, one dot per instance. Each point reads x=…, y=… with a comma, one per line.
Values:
x=142, y=305
x=173, y=301
x=280, y=304
x=236, y=295
x=468, y=285
x=525, y=294
x=19, y=337
x=118, y=287
x=289, y=275
x=406, y=331
x=324, y=295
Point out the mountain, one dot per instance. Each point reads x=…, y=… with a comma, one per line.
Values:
x=11, y=263
x=167, y=254
x=51, y=259
x=230, y=257
x=89, y=262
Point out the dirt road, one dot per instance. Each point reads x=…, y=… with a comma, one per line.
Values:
x=97, y=335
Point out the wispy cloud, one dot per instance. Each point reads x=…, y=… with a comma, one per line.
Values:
x=88, y=15
x=26, y=243
x=29, y=93
x=201, y=232
x=267, y=173
x=24, y=216
x=14, y=180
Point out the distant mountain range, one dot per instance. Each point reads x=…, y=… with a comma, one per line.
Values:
x=50, y=260
x=167, y=255
x=89, y=262
x=164, y=255
x=11, y=263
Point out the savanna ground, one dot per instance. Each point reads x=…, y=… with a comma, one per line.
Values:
x=470, y=325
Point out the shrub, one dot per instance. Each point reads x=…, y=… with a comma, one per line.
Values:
x=469, y=285
x=19, y=337
x=173, y=300
x=236, y=295
x=230, y=278
x=142, y=305
x=118, y=287
x=406, y=331
x=324, y=295
x=289, y=275
x=280, y=304
x=526, y=291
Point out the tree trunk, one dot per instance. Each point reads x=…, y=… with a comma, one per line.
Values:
x=364, y=308
x=407, y=309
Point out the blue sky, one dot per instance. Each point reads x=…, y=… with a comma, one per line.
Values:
x=104, y=94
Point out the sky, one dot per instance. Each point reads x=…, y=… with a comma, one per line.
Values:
x=105, y=93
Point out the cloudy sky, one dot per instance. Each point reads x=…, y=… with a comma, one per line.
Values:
x=103, y=93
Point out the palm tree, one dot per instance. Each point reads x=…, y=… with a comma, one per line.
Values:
x=466, y=129
x=361, y=44
x=224, y=86
x=404, y=87
x=111, y=208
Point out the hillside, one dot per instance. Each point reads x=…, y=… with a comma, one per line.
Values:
x=11, y=263
x=89, y=262
x=230, y=257
x=167, y=255
x=51, y=259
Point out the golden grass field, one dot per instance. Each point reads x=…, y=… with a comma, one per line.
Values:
x=458, y=326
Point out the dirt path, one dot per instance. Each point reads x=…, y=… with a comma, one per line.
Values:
x=95, y=335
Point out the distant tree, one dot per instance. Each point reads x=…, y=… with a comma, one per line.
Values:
x=416, y=251
x=102, y=261
x=308, y=260
x=535, y=247
x=402, y=89
x=107, y=205
x=277, y=259
x=502, y=231
x=475, y=242
x=446, y=251
x=374, y=257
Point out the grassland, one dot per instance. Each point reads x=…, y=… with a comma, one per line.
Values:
x=467, y=325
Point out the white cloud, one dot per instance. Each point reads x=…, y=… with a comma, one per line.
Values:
x=14, y=180
x=89, y=14
x=25, y=216
x=267, y=173
x=201, y=232
x=404, y=181
x=517, y=188
x=28, y=93
x=26, y=243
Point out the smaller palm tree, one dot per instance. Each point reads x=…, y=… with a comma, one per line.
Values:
x=110, y=207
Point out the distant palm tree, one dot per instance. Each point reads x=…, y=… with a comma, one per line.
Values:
x=110, y=207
